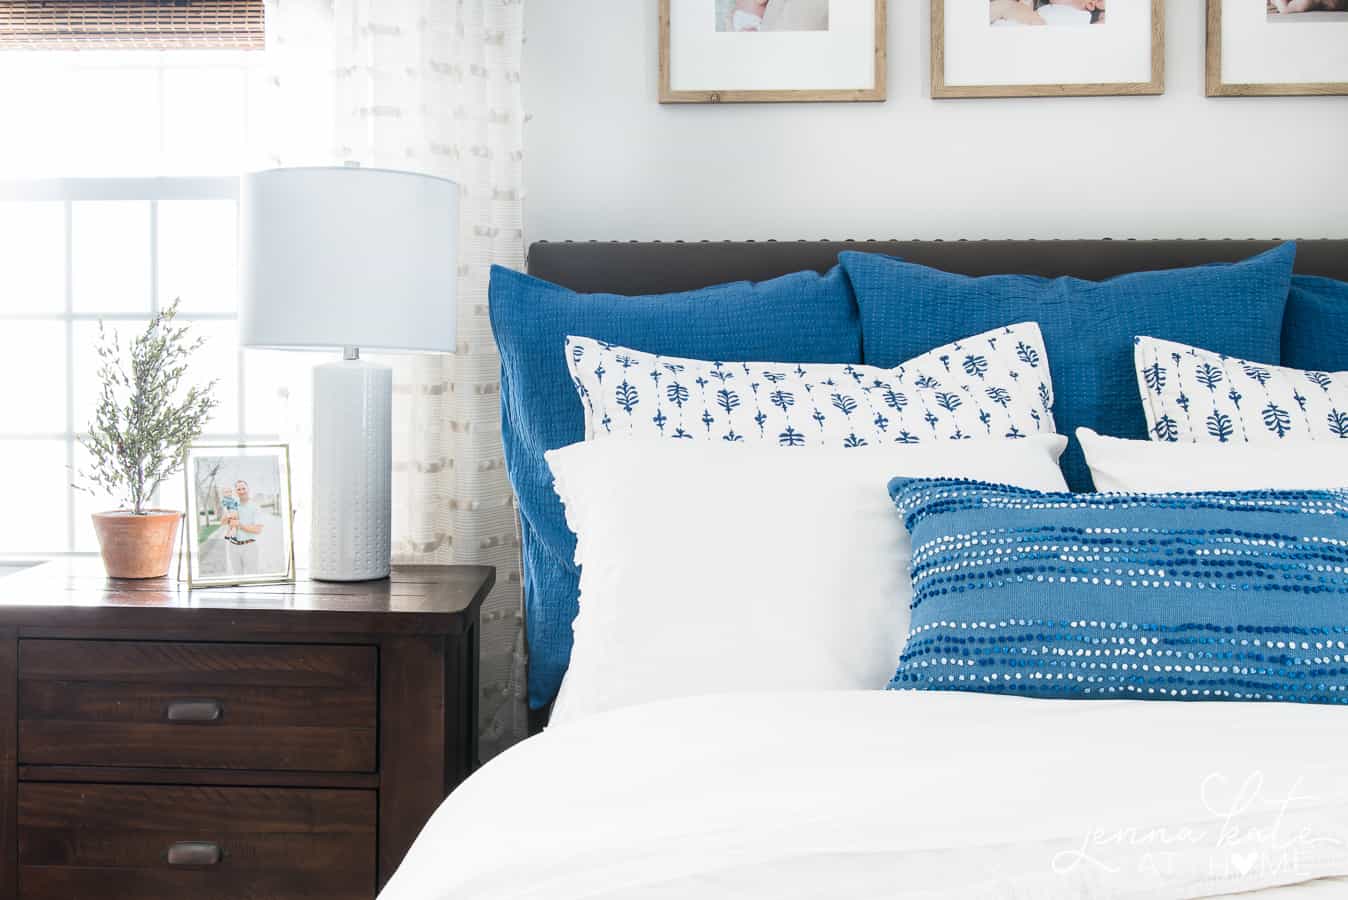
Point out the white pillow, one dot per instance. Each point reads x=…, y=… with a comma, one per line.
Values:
x=709, y=567
x=1149, y=467
x=1196, y=396
x=992, y=385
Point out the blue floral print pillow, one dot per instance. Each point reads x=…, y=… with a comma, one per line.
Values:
x=991, y=385
x=1199, y=397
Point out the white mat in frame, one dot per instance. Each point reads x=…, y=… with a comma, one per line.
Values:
x=972, y=57
x=1252, y=52
x=703, y=62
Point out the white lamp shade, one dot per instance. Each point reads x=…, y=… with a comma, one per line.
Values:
x=348, y=257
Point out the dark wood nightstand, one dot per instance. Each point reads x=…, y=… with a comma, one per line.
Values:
x=275, y=741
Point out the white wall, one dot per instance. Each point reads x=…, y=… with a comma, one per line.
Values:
x=605, y=161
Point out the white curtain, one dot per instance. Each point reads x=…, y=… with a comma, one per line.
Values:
x=430, y=86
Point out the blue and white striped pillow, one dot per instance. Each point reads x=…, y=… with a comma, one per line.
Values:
x=1201, y=596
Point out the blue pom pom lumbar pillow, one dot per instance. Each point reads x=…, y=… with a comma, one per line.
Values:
x=1202, y=596
x=992, y=385
x=1200, y=397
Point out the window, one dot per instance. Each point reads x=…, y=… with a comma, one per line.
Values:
x=126, y=113
x=131, y=24
x=118, y=182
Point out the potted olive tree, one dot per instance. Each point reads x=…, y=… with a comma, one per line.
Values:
x=145, y=419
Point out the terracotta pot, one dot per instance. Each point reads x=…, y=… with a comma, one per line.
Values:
x=137, y=546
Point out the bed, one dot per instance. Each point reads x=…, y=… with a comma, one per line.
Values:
x=900, y=794
x=884, y=794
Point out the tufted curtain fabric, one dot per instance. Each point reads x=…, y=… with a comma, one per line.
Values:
x=430, y=86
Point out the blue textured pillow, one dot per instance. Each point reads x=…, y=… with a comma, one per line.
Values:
x=1315, y=328
x=804, y=317
x=1211, y=596
x=1088, y=326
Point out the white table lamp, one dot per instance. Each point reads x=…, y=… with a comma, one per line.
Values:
x=345, y=258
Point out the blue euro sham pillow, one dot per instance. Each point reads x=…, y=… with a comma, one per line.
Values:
x=1315, y=328
x=803, y=317
x=1088, y=326
x=1201, y=596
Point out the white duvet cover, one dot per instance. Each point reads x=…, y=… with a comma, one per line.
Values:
x=902, y=795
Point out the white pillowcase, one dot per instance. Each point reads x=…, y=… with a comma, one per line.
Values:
x=1196, y=396
x=1149, y=467
x=709, y=567
x=992, y=385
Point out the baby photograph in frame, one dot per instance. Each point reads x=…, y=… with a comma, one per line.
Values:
x=752, y=16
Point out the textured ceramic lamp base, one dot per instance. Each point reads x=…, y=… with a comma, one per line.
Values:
x=352, y=471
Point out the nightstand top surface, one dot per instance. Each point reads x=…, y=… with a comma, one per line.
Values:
x=416, y=599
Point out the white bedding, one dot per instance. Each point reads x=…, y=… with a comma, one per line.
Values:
x=902, y=795
x=721, y=590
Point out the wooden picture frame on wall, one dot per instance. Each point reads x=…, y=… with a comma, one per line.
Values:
x=706, y=56
x=1299, y=42
x=1140, y=49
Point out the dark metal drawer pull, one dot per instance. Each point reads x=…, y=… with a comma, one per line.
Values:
x=194, y=711
x=194, y=853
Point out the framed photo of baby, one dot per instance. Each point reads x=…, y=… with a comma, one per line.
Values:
x=745, y=51
x=1046, y=13
x=1267, y=48
x=763, y=16
x=1306, y=12
x=239, y=516
x=1047, y=48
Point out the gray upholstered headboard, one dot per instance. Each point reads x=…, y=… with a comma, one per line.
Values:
x=653, y=268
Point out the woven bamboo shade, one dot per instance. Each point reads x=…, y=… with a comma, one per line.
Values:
x=131, y=25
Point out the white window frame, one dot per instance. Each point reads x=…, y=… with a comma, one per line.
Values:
x=69, y=191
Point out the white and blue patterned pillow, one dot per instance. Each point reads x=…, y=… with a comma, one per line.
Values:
x=992, y=385
x=1196, y=396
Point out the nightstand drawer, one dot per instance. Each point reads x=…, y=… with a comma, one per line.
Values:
x=165, y=843
x=198, y=705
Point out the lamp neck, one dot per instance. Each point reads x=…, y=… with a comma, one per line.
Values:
x=350, y=353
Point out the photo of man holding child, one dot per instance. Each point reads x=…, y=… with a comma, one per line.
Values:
x=241, y=512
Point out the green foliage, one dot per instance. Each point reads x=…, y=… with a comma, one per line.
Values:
x=145, y=420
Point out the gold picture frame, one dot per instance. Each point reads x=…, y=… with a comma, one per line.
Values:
x=942, y=91
x=224, y=547
x=874, y=94
x=1216, y=87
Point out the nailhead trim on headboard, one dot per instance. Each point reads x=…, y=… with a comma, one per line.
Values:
x=644, y=267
